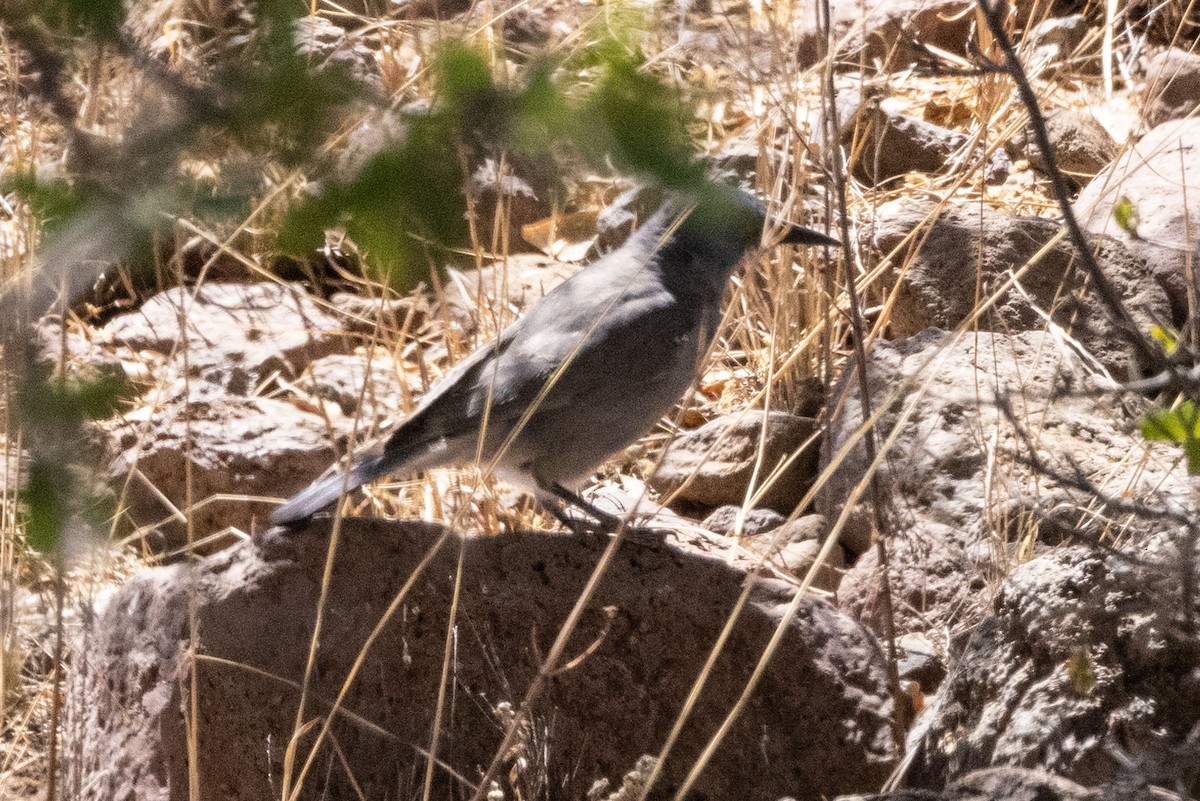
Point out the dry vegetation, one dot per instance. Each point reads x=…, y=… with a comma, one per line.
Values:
x=789, y=316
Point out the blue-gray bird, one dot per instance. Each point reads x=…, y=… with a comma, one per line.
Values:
x=592, y=366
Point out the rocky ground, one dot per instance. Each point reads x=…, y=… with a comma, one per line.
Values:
x=1027, y=630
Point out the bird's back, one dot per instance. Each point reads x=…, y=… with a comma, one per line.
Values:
x=592, y=366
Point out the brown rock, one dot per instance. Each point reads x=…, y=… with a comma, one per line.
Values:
x=1160, y=176
x=237, y=335
x=996, y=784
x=798, y=558
x=494, y=291
x=714, y=464
x=884, y=32
x=946, y=259
x=387, y=317
x=723, y=520
x=888, y=145
x=1085, y=666
x=958, y=462
x=817, y=725
x=1082, y=146
x=808, y=527
x=235, y=446
x=360, y=385
x=1172, y=88
x=933, y=584
x=1060, y=46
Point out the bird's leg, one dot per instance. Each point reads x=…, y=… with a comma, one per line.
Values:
x=578, y=525
x=609, y=524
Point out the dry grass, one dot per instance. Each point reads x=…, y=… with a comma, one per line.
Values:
x=788, y=314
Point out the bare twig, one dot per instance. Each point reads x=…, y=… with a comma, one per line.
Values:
x=837, y=173
x=1151, y=356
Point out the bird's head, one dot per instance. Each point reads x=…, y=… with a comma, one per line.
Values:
x=729, y=215
x=720, y=224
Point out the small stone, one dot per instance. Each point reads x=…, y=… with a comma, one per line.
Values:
x=799, y=557
x=1172, y=88
x=1082, y=146
x=713, y=465
x=723, y=520
x=808, y=527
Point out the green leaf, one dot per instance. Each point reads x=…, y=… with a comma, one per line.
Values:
x=1126, y=215
x=1168, y=339
x=44, y=498
x=1173, y=425
x=542, y=114
x=462, y=74
x=99, y=19
x=303, y=229
x=54, y=203
x=1191, y=450
x=1180, y=425
x=65, y=403
x=645, y=121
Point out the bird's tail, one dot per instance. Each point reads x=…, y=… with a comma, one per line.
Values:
x=324, y=491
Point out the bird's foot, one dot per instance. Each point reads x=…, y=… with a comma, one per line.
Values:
x=586, y=520
x=604, y=526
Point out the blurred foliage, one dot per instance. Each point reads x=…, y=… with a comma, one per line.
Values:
x=96, y=19
x=641, y=122
x=1181, y=425
x=404, y=207
x=53, y=203
x=53, y=410
x=408, y=201
x=1126, y=216
x=44, y=497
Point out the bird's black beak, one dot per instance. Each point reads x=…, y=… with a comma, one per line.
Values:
x=799, y=235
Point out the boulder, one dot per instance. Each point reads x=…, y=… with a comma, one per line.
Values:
x=817, y=725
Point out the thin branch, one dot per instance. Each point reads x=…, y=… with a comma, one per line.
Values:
x=1151, y=356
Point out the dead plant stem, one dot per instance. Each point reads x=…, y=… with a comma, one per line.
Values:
x=837, y=174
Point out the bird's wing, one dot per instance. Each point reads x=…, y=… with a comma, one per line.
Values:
x=418, y=441
x=644, y=343
x=446, y=410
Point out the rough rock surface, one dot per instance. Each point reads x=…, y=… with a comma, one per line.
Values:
x=933, y=581
x=391, y=316
x=888, y=144
x=723, y=520
x=995, y=784
x=817, y=725
x=360, y=384
x=958, y=462
x=949, y=259
x=235, y=447
x=1082, y=146
x=1060, y=44
x=798, y=558
x=1172, y=85
x=498, y=290
x=1088, y=666
x=887, y=31
x=713, y=465
x=236, y=334
x=1161, y=177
